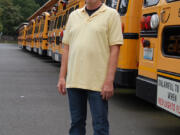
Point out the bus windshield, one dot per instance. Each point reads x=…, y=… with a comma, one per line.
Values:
x=148, y=3
x=112, y=3
x=123, y=6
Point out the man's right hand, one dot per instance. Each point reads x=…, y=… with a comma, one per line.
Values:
x=62, y=86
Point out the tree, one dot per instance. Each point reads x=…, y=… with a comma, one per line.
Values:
x=41, y=2
x=14, y=12
x=10, y=17
x=27, y=7
x=1, y=26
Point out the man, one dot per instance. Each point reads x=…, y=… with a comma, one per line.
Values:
x=91, y=47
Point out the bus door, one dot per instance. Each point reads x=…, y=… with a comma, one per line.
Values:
x=49, y=53
x=168, y=65
x=53, y=35
x=150, y=37
x=24, y=36
x=44, y=30
x=32, y=34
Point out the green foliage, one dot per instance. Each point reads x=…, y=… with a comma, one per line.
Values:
x=10, y=17
x=41, y=2
x=1, y=26
x=14, y=12
x=27, y=7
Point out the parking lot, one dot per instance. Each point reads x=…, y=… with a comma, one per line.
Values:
x=31, y=105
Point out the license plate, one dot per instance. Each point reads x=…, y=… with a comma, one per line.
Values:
x=168, y=95
x=148, y=53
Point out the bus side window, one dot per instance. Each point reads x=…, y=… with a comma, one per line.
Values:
x=49, y=24
x=59, y=22
x=77, y=6
x=171, y=42
x=64, y=20
x=56, y=23
x=52, y=25
x=108, y=3
x=123, y=6
x=71, y=10
x=66, y=16
x=112, y=3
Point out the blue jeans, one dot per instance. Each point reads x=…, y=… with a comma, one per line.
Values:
x=78, y=108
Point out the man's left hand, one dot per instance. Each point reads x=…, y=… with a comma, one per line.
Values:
x=107, y=90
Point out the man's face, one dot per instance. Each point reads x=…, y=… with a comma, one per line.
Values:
x=91, y=1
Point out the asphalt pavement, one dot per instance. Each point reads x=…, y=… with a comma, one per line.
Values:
x=31, y=105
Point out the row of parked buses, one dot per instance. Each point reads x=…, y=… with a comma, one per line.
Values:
x=149, y=59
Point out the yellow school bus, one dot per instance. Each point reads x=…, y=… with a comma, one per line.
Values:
x=127, y=69
x=43, y=34
x=22, y=35
x=65, y=8
x=54, y=32
x=51, y=36
x=36, y=34
x=57, y=29
x=30, y=35
x=158, y=79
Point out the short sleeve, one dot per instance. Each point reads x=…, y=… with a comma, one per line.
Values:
x=115, y=36
x=66, y=36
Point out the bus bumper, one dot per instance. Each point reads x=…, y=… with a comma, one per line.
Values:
x=146, y=89
x=49, y=53
x=28, y=48
x=56, y=57
x=42, y=52
x=125, y=78
x=35, y=50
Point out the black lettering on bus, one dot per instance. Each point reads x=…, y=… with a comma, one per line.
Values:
x=172, y=96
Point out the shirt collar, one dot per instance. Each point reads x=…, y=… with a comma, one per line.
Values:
x=101, y=9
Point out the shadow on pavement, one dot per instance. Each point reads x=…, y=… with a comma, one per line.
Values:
x=127, y=99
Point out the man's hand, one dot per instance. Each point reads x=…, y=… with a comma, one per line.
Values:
x=63, y=70
x=62, y=86
x=107, y=90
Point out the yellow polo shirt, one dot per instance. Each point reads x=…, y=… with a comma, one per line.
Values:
x=89, y=39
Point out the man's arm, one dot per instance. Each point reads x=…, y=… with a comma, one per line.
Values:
x=63, y=71
x=108, y=88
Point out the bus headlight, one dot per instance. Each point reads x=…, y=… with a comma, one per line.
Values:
x=154, y=21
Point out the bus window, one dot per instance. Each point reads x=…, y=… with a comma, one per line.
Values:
x=123, y=6
x=36, y=29
x=112, y=3
x=42, y=27
x=49, y=22
x=77, y=6
x=148, y=3
x=64, y=20
x=55, y=24
x=52, y=25
x=59, y=22
x=71, y=10
x=171, y=42
x=66, y=16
